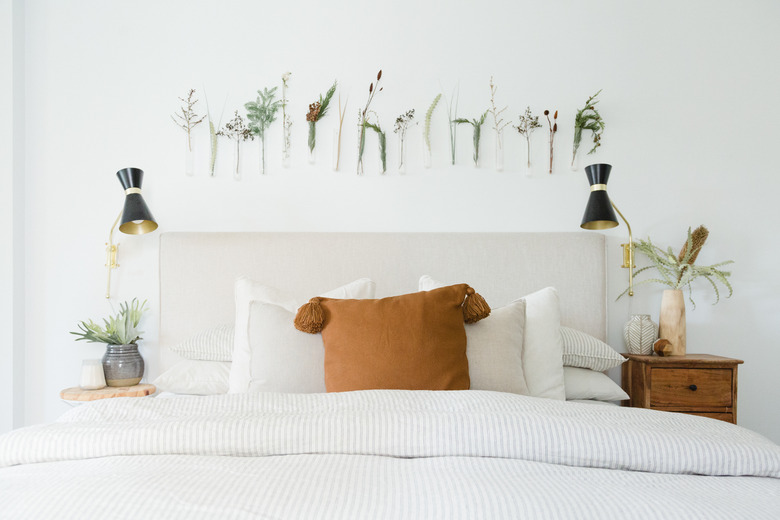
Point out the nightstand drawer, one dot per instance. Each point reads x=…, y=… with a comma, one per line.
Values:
x=697, y=388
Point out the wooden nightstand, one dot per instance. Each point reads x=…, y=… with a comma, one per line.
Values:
x=77, y=394
x=697, y=384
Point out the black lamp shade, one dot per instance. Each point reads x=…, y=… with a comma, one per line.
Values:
x=136, y=218
x=598, y=213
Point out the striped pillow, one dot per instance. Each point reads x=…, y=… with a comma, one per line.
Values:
x=584, y=351
x=214, y=344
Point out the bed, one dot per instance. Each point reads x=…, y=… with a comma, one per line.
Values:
x=381, y=453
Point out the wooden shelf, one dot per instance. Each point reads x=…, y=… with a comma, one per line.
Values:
x=78, y=394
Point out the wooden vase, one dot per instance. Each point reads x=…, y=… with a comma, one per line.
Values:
x=671, y=323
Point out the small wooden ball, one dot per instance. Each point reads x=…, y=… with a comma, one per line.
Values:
x=662, y=347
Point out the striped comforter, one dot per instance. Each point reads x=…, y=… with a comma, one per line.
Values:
x=384, y=454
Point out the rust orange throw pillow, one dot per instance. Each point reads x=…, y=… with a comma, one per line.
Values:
x=414, y=342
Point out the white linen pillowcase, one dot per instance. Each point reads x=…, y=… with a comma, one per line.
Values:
x=584, y=351
x=583, y=383
x=195, y=377
x=542, y=348
x=494, y=346
x=283, y=359
x=213, y=344
x=248, y=291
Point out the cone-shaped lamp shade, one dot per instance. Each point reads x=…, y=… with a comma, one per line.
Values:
x=136, y=218
x=598, y=213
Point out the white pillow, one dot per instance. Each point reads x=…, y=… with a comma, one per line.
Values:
x=582, y=383
x=248, y=291
x=195, y=377
x=214, y=344
x=584, y=351
x=494, y=347
x=543, y=347
x=283, y=359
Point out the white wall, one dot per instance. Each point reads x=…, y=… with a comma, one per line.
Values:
x=11, y=214
x=6, y=218
x=689, y=97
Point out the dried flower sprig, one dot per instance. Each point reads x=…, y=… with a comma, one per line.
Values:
x=382, y=142
x=428, y=114
x=402, y=124
x=498, y=122
x=261, y=113
x=372, y=90
x=588, y=118
x=477, y=126
x=213, y=132
x=528, y=123
x=498, y=125
x=316, y=111
x=678, y=272
x=698, y=237
x=342, y=113
x=286, y=120
x=237, y=130
x=553, y=130
x=186, y=118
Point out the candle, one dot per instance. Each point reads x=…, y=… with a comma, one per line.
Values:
x=92, y=376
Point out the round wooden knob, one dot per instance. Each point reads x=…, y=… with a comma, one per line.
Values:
x=693, y=387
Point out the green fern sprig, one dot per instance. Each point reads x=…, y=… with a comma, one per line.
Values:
x=428, y=114
x=477, y=127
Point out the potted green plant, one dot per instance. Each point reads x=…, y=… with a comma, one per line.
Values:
x=677, y=272
x=122, y=364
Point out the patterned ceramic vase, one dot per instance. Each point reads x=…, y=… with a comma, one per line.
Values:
x=640, y=333
x=123, y=365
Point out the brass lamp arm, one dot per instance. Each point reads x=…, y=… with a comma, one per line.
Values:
x=111, y=250
x=628, y=253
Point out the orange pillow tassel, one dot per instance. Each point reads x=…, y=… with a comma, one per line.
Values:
x=310, y=317
x=475, y=307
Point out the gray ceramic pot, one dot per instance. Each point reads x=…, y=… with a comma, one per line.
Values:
x=123, y=365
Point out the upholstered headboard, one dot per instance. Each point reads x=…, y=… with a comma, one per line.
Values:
x=197, y=270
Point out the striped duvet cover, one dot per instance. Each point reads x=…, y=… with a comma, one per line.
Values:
x=384, y=454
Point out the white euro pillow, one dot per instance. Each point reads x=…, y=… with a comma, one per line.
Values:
x=584, y=351
x=247, y=292
x=494, y=346
x=213, y=344
x=583, y=383
x=195, y=377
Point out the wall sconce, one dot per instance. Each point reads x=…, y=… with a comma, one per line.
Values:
x=599, y=214
x=134, y=219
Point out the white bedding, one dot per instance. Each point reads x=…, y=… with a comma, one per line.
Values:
x=384, y=454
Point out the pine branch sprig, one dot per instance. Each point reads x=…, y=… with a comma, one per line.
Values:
x=317, y=110
x=262, y=112
x=588, y=118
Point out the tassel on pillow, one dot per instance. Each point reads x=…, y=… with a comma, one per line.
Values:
x=310, y=317
x=475, y=307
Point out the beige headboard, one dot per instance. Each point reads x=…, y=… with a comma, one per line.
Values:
x=197, y=270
